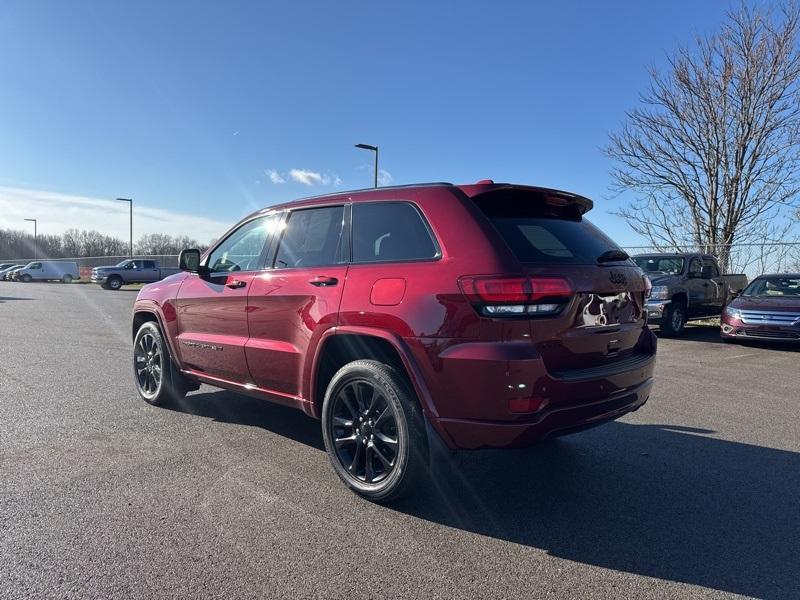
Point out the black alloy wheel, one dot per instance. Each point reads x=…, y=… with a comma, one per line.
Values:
x=148, y=364
x=373, y=430
x=365, y=431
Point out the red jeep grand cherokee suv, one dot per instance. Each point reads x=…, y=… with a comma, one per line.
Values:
x=480, y=316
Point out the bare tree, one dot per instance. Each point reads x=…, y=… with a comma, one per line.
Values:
x=713, y=153
x=162, y=243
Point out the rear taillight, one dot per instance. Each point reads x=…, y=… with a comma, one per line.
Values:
x=516, y=296
x=648, y=286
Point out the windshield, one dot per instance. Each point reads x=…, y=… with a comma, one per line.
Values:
x=672, y=265
x=122, y=264
x=774, y=287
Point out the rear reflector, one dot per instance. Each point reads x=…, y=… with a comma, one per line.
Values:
x=524, y=405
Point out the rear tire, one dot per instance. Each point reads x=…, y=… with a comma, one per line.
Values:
x=114, y=283
x=157, y=379
x=374, y=431
x=66, y=279
x=674, y=319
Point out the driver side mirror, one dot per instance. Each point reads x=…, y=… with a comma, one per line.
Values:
x=190, y=261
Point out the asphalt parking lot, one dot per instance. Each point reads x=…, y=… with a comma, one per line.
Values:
x=101, y=495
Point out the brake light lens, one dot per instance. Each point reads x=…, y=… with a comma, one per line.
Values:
x=516, y=296
x=648, y=286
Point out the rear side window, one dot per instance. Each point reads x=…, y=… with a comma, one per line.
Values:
x=538, y=234
x=390, y=232
x=312, y=238
x=707, y=262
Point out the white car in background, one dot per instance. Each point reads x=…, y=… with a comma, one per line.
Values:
x=5, y=274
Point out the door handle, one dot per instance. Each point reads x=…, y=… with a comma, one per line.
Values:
x=236, y=284
x=323, y=281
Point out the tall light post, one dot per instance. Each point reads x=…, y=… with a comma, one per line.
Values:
x=130, y=243
x=35, y=245
x=375, y=150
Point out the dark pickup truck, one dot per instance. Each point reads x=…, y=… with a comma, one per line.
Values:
x=130, y=271
x=686, y=287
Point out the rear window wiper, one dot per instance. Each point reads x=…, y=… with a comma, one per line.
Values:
x=612, y=256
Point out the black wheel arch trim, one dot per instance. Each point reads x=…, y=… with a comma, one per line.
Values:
x=154, y=309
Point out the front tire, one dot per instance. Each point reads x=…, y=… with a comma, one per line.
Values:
x=114, y=283
x=373, y=431
x=66, y=279
x=156, y=379
x=674, y=320
x=26, y=278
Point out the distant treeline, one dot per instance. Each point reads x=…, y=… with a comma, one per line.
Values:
x=80, y=243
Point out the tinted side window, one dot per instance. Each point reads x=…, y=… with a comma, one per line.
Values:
x=312, y=237
x=242, y=250
x=707, y=262
x=148, y=264
x=390, y=231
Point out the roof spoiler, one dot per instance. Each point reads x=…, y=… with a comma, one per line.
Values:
x=555, y=198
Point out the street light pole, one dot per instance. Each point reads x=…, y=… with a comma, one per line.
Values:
x=35, y=245
x=130, y=243
x=375, y=150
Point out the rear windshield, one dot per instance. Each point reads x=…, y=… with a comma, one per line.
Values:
x=535, y=236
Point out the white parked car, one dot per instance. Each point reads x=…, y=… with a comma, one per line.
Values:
x=5, y=274
x=49, y=270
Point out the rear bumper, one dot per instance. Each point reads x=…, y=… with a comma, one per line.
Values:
x=473, y=388
x=467, y=434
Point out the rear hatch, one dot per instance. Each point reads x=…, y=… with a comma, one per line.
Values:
x=593, y=314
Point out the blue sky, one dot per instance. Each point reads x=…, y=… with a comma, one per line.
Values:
x=189, y=106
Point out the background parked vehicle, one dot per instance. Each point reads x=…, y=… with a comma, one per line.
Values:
x=407, y=318
x=11, y=274
x=686, y=286
x=48, y=270
x=4, y=266
x=5, y=274
x=130, y=271
x=768, y=309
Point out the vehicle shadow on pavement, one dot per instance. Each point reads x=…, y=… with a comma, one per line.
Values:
x=229, y=407
x=656, y=500
x=10, y=298
x=663, y=501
